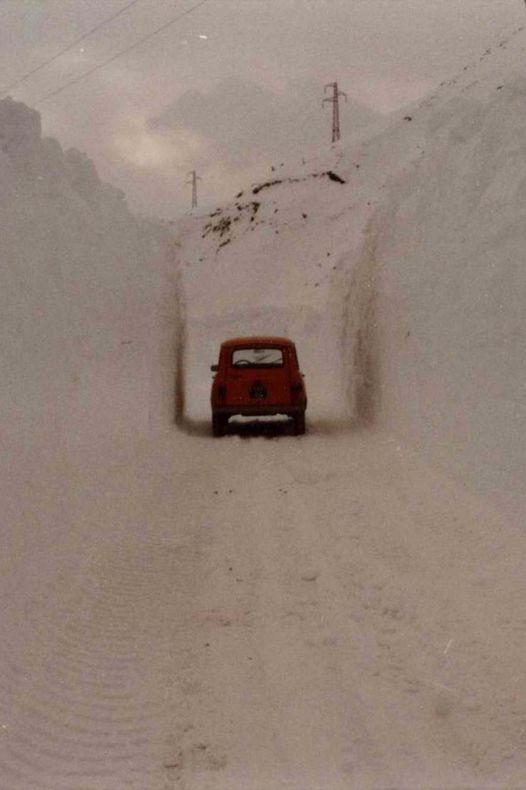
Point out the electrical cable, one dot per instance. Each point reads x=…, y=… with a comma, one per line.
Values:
x=47, y=62
x=119, y=54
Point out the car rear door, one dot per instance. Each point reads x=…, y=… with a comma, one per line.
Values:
x=256, y=385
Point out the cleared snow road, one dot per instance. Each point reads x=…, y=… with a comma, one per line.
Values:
x=317, y=612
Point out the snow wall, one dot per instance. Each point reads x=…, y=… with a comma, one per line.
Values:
x=87, y=308
x=449, y=251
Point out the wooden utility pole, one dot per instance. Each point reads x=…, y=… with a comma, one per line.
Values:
x=193, y=182
x=335, y=108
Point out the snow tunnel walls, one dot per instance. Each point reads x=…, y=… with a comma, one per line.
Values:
x=281, y=266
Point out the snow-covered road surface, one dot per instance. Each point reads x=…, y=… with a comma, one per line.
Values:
x=316, y=612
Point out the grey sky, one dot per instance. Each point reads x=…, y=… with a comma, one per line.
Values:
x=244, y=97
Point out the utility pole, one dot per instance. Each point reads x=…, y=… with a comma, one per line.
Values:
x=193, y=182
x=335, y=108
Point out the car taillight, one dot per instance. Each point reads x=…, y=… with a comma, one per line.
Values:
x=296, y=391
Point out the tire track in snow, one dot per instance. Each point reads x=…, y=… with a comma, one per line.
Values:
x=329, y=622
x=81, y=703
x=288, y=708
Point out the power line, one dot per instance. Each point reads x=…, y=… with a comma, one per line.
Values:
x=119, y=54
x=52, y=59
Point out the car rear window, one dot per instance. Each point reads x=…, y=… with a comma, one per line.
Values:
x=257, y=358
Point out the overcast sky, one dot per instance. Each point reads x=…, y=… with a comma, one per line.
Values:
x=234, y=86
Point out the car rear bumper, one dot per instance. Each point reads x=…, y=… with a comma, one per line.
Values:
x=258, y=411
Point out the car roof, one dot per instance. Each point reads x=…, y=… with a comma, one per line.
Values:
x=257, y=340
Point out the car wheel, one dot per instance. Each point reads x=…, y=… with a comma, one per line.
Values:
x=299, y=423
x=218, y=425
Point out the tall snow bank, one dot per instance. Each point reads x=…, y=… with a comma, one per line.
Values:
x=452, y=293
x=80, y=296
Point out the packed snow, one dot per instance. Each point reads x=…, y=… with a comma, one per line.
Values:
x=343, y=609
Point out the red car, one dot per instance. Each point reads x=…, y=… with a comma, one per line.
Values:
x=257, y=376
